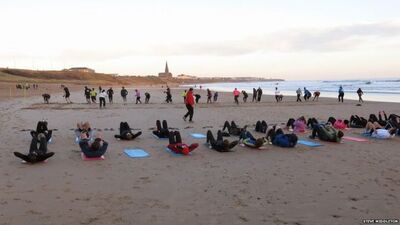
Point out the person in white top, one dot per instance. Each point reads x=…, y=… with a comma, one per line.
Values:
x=278, y=95
x=377, y=131
x=102, y=97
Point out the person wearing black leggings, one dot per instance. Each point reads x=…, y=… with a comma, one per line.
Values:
x=36, y=154
x=176, y=145
x=189, y=102
x=311, y=122
x=261, y=126
x=42, y=128
x=220, y=145
x=357, y=122
x=125, y=132
x=161, y=132
x=233, y=129
x=273, y=132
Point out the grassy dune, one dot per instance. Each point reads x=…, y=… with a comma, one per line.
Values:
x=33, y=76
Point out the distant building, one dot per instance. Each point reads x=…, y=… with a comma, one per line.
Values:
x=80, y=69
x=184, y=76
x=165, y=74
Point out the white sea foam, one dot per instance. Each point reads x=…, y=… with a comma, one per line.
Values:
x=387, y=90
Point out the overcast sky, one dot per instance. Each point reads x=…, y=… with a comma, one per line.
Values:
x=290, y=39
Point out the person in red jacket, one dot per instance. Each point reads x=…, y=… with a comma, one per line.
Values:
x=176, y=145
x=189, y=105
x=236, y=94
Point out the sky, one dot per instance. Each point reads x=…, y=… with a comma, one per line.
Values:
x=289, y=39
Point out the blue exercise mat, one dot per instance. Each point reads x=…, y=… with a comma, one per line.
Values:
x=136, y=153
x=198, y=136
x=156, y=137
x=308, y=143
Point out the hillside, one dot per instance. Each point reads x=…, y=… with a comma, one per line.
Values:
x=33, y=76
x=74, y=77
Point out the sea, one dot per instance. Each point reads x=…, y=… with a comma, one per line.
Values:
x=381, y=90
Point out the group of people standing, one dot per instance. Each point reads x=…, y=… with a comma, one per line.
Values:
x=257, y=93
x=91, y=95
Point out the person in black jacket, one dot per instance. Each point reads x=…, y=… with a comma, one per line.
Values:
x=124, y=93
x=95, y=149
x=161, y=132
x=147, y=99
x=125, y=132
x=41, y=128
x=87, y=95
x=36, y=154
x=220, y=145
x=232, y=128
x=110, y=93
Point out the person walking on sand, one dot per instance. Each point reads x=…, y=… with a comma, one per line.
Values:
x=168, y=98
x=67, y=94
x=360, y=93
x=137, y=94
x=124, y=93
x=236, y=94
x=197, y=97
x=102, y=98
x=87, y=94
x=341, y=94
x=215, y=96
x=277, y=95
x=259, y=94
x=189, y=105
x=209, y=96
x=245, y=96
x=298, y=92
x=254, y=95
x=307, y=94
x=147, y=99
x=110, y=93
x=93, y=95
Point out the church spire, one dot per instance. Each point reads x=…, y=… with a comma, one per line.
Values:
x=166, y=67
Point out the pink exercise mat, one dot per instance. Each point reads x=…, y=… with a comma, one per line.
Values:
x=355, y=139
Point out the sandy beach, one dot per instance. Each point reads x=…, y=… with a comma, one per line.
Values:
x=333, y=184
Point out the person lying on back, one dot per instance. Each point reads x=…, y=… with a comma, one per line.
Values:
x=176, y=145
x=279, y=138
x=83, y=128
x=250, y=141
x=220, y=145
x=125, y=132
x=232, y=128
x=36, y=154
x=261, y=126
x=41, y=128
x=161, y=132
x=95, y=149
x=326, y=132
